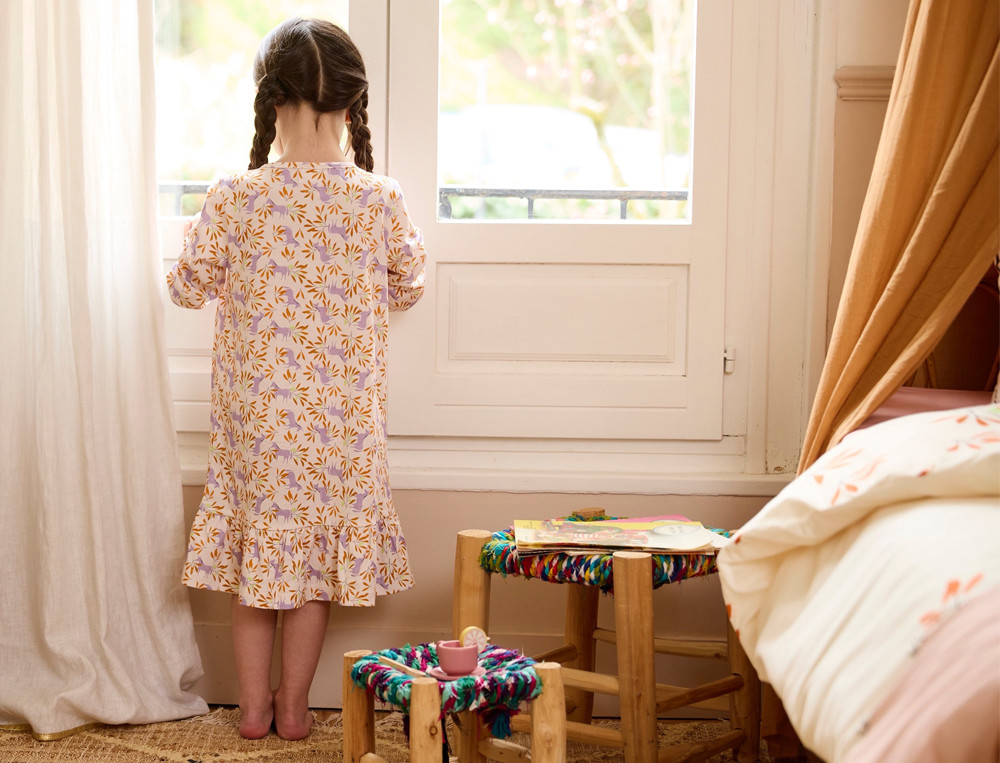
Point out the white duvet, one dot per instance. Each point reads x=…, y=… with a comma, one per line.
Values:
x=833, y=586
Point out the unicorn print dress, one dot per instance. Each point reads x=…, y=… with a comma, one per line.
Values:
x=306, y=260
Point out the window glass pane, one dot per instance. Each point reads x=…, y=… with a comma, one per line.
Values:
x=204, y=85
x=589, y=101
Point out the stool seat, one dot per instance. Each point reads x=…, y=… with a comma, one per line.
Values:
x=499, y=555
x=507, y=680
x=485, y=703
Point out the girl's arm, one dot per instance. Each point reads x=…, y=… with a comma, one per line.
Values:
x=200, y=272
x=406, y=255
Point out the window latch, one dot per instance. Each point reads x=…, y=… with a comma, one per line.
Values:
x=729, y=360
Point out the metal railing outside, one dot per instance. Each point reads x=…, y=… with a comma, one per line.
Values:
x=176, y=190
x=622, y=195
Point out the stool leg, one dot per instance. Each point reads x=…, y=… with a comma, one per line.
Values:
x=548, y=717
x=471, y=733
x=426, y=736
x=359, y=713
x=471, y=599
x=581, y=620
x=633, y=579
x=470, y=606
x=744, y=705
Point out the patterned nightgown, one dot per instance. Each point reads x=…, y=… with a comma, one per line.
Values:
x=306, y=260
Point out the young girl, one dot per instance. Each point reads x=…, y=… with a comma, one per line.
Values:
x=306, y=255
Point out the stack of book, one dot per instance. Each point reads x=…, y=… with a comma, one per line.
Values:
x=668, y=534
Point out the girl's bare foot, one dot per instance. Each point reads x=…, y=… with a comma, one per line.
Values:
x=253, y=642
x=292, y=720
x=302, y=633
x=256, y=719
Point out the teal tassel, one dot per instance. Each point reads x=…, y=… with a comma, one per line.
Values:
x=500, y=725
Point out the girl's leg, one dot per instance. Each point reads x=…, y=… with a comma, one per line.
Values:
x=253, y=643
x=302, y=634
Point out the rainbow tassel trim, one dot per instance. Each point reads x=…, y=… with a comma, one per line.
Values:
x=500, y=555
x=510, y=679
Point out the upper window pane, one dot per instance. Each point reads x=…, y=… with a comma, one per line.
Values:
x=565, y=109
x=204, y=84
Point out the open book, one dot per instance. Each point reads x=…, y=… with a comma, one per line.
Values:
x=664, y=534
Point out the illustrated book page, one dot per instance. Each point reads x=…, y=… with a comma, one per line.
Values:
x=663, y=534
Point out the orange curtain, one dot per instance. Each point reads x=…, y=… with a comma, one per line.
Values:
x=929, y=224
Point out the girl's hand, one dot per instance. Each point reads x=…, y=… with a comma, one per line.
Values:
x=188, y=225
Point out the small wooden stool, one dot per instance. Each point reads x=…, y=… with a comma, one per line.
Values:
x=641, y=699
x=548, y=723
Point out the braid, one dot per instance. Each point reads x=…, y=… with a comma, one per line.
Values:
x=361, y=136
x=269, y=94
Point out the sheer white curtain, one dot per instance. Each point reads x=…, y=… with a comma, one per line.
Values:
x=94, y=623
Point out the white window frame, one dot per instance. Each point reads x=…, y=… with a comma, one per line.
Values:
x=189, y=333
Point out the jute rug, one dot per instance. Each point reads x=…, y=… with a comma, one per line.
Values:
x=214, y=738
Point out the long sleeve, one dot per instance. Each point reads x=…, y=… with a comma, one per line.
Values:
x=406, y=255
x=200, y=272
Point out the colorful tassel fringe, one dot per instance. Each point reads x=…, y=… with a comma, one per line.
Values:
x=509, y=680
x=500, y=555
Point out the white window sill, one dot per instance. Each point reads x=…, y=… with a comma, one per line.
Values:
x=558, y=466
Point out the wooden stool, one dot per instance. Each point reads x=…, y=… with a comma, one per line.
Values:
x=547, y=723
x=641, y=699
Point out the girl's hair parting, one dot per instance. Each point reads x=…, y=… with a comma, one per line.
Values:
x=315, y=62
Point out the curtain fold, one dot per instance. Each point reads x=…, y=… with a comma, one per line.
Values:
x=929, y=224
x=95, y=625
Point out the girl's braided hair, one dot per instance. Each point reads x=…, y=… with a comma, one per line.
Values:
x=311, y=61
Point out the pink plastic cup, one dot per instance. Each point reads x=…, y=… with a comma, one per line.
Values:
x=455, y=659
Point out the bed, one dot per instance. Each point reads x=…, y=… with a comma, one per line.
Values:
x=867, y=593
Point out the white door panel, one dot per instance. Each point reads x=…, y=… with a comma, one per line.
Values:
x=558, y=318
